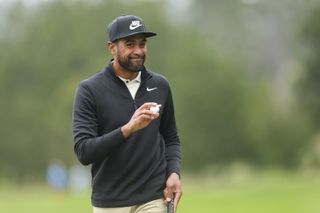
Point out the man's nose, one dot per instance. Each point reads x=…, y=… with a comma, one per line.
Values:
x=139, y=50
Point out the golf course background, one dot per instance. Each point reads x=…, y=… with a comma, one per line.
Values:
x=245, y=81
x=244, y=193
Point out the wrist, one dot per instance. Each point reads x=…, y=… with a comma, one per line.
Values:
x=177, y=175
x=126, y=130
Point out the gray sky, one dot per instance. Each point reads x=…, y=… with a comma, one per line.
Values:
x=24, y=1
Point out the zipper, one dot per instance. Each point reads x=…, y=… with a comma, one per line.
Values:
x=135, y=105
x=138, y=93
x=128, y=93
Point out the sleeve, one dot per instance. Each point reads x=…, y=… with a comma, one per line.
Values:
x=168, y=130
x=88, y=145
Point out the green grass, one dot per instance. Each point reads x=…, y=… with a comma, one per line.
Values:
x=228, y=193
x=274, y=192
x=35, y=199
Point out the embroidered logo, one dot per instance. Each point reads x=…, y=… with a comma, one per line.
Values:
x=151, y=89
x=134, y=25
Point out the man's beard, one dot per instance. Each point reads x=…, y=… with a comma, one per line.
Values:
x=129, y=65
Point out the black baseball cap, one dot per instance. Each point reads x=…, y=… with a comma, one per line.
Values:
x=127, y=25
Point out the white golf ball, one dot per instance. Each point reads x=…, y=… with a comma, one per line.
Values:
x=155, y=109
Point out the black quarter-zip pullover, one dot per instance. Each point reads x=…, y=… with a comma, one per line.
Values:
x=128, y=171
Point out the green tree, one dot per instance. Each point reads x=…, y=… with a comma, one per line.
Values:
x=309, y=85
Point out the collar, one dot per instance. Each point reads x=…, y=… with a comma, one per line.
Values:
x=135, y=80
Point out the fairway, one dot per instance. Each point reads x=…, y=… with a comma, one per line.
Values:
x=267, y=193
x=263, y=194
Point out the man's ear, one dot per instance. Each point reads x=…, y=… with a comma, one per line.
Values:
x=111, y=47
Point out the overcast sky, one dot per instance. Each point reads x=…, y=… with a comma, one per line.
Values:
x=5, y=3
x=24, y=1
x=175, y=8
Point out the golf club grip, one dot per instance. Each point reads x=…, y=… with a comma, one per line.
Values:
x=170, y=207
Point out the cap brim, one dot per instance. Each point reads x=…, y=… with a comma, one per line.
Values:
x=149, y=34
x=146, y=34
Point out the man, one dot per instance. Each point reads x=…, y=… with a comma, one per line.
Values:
x=124, y=125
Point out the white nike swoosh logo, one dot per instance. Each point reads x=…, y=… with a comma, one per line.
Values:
x=150, y=89
x=132, y=27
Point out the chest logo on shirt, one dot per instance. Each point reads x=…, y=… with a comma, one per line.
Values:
x=151, y=89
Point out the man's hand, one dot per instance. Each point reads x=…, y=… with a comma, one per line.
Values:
x=141, y=118
x=173, y=187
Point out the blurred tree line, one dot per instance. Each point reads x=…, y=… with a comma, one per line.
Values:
x=225, y=112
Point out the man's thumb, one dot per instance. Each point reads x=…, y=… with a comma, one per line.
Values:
x=168, y=195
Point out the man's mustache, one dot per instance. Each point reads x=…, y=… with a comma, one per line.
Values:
x=137, y=57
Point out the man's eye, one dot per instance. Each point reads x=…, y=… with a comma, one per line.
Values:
x=129, y=45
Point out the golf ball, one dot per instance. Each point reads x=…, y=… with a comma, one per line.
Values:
x=155, y=109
